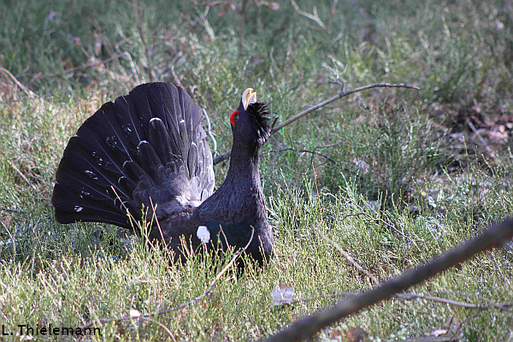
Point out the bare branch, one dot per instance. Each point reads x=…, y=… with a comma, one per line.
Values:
x=166, y=329
x=413, y=296
x=307, y=327
x=22, y=175
x=222, y=157
x=13, y=210
x=403, y=296
x=382, y=221
x=340, y=95
x=499, y=269
x=349, y=258
x=314, y=16
x=320, y=155
x=26, y=90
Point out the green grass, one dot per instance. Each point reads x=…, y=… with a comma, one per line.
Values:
x=383, y=174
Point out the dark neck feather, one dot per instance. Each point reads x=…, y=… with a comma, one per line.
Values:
x=240, y=195
x=244, y=163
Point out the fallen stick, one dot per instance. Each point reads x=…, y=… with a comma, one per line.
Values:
x=306, y=328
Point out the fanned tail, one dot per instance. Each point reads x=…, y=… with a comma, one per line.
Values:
x=147, y=148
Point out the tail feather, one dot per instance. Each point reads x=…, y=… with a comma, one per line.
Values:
x=160, y=140
x=87, y=170
x=149, y=158
x=134, y=170
x=192, y=159
x=86, y=210
x=145, y=148
x=127, y=184
x=106, y=135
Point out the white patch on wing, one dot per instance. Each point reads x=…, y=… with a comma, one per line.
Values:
x=203, y=234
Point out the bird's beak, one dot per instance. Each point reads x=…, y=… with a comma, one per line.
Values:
x=248, y=97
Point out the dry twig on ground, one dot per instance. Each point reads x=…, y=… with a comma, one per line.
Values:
x=307, y=327
x=178, y=307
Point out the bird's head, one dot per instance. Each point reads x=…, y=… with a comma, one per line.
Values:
x=250, y=124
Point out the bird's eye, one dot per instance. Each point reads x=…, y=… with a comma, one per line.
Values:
x=234, y=117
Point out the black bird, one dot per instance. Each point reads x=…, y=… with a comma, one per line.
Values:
x=145, y=155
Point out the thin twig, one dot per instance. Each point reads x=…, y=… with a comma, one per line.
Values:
x=320, y=155
x=166, y=329
x=331, y=145
x=314, y=16
x=379, y=220
x=22, y=175
x=404, y=296
x=413, y=296
x=506, y=280
x=13, y=210
x=349, y=258
x=473, y=128
x=18, y=83
x=307, y=327
x=304, y=151
x=327, y=296
x=462, y=294
x=340, y=95
x=183, y=305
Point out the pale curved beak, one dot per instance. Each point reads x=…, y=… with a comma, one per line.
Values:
x=248, y=97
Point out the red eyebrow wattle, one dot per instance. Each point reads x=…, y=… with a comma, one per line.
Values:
x=232, y=117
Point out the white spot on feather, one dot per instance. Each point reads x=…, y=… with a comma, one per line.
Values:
x=203, y=234
x=85, y=194
x=91, y=174
x=78, y=208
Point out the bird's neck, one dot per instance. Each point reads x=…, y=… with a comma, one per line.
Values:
x=244, y=167
x=240, y=196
